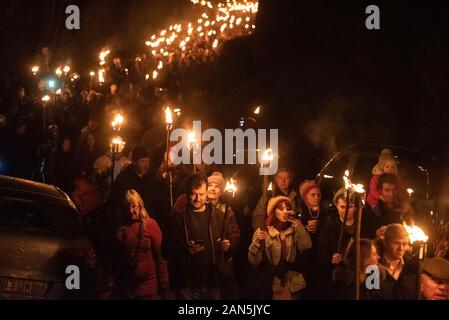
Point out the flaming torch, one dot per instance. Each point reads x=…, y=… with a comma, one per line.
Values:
x=231, y=186
x=345, y=218
x=117, y=145
x=117, y=122
x=168, y=126
x=418, y=239
x=359, y=203
x=267, y=157
x=45, y=100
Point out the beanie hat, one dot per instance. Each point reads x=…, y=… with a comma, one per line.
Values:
x=216, y=177
x=385, y=155
x=305, y=187
x=139, y=152
x=274, y=202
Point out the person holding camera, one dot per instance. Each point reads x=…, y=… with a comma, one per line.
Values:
x=279, y=245
x=139, y=271
x=196, y=236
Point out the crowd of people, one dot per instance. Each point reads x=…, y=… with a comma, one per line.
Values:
x=171, y=231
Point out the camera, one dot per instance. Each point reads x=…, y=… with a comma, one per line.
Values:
x=294, y=215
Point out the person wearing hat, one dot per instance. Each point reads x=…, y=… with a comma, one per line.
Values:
x=284, y=239
x=435, y=279
x=328, y=254
x=215, y=189
x=386, y=164
x=281, y=187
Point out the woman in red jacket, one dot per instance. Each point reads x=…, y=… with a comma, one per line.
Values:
x=139, y=270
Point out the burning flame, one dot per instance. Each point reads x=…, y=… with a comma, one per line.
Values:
x=168, y=116
x=415, y=233
x=410, y=191
x=117, y=141
x=92, y=74
x=191, y=138
x=346, y=180
x=58, y=71
x=270, y=187
x=66, y=69
x=257, y=111
x=118, y=120
x=231, y=186
x=46, y=98
x=101, y=75
x=35, y=69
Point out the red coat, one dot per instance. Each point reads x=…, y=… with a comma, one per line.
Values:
x=374, y=195
x=150, y=271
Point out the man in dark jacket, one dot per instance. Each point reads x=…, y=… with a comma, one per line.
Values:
x=400, y=282
x=328, y=254
x=193, y=242
x=388, y=209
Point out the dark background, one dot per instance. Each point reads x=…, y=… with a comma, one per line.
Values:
x=324, y=80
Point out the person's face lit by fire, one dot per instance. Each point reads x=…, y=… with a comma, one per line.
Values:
x=281, y=212
x=314, y=198
x=390, y=167
x=341, y=208
x=373, y=258
x=198, y=198
x=434, y=288
x=388, y=193
x=134, y=209
x=282, y=180
x=213, y=191
x=396, y=248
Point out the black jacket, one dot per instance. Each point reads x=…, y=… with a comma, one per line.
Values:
x=328, y=240
x=375, y=217
x=174, y=243
x=405, y=287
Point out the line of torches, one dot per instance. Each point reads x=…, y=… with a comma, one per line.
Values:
x=217, y=23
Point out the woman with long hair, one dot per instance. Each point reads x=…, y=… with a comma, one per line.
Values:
x=343, y=276
x=279, y=246
x=138, y=268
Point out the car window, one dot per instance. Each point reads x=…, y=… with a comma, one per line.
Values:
x=363, y=170
x=39, y=218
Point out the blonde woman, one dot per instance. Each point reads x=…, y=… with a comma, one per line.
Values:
x=139, y=270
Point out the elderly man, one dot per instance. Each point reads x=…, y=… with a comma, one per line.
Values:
x=435, y=279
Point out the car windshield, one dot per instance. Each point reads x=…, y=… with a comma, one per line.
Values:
x=33, y=217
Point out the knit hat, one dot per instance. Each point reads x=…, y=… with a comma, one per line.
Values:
x=305, y=187
x=437, y=267
x=216, y=177
x=139, y=152
x=385, y=155
x=274, y=202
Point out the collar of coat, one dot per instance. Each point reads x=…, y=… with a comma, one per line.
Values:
x=274, y=233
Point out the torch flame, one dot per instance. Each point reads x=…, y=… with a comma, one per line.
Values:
x=415, y=233
x=231, y=186
x=35, y=69
x=46, y=98
x=257, y=111
x=270, y=187
x=346, y=180
x=168, y=116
